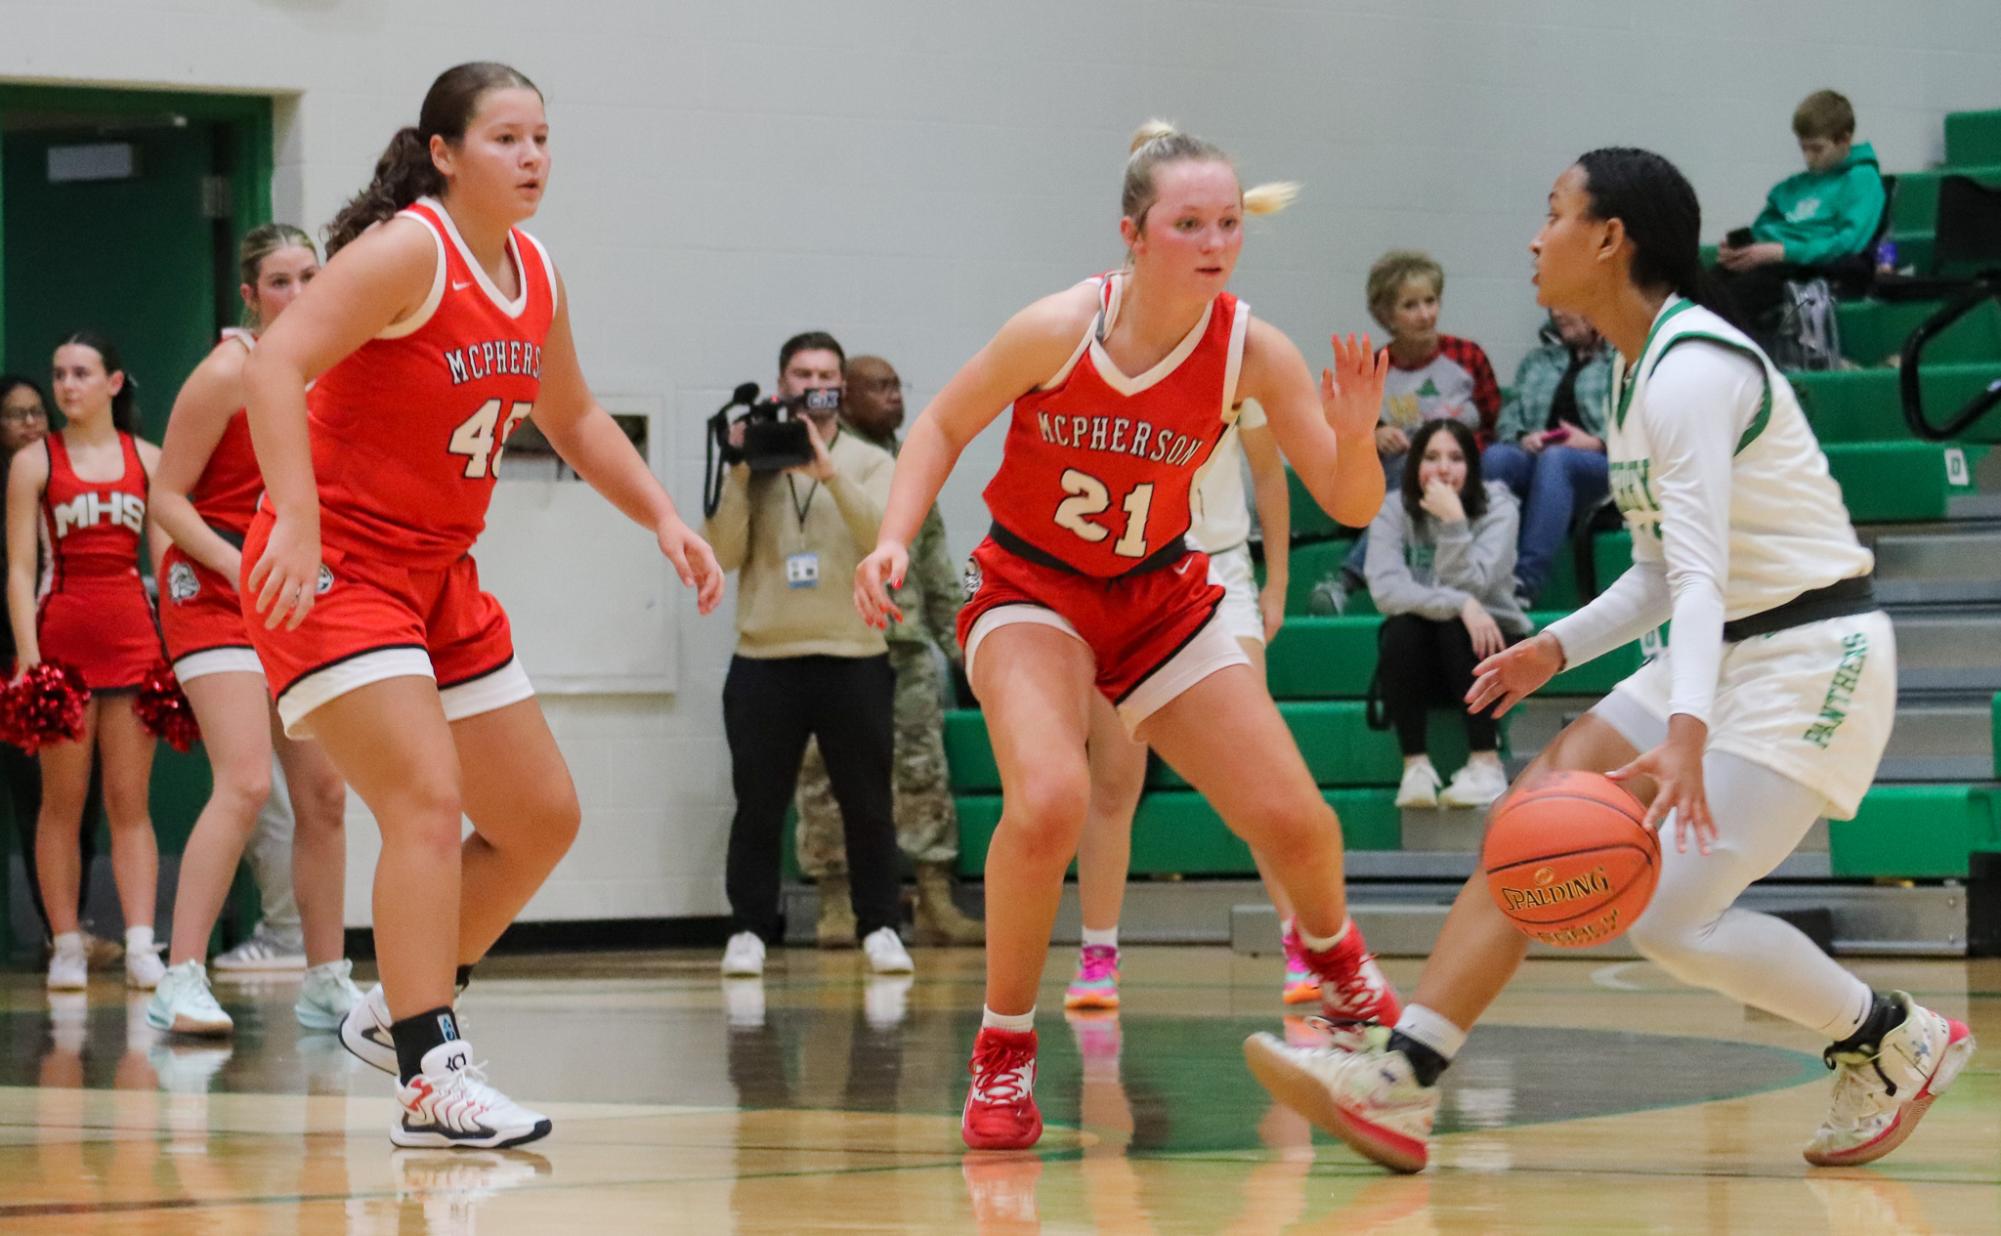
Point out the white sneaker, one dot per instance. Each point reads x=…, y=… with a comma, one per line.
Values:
x=364, y=1031
x=1475, y=786
x=1420, y=785
x=449, y=1104
x=885, y=951
x=183, y=1004
x=69, y=966
x=327, y=995
x=1368, y=1097
x=1879, y=1097
x=144, y=969
x=263, y=952
x=743, y=956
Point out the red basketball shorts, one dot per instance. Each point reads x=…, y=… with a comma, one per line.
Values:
x=376, y=620
x=103, y=627
x=1151, y=633
x=201, y=620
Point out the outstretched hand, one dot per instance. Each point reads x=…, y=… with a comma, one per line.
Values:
x=1513, y=674
x=1351, y=392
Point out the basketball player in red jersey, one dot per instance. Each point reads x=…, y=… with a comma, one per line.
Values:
x=204, y=496
x=436, y=327
x=1121, y=387
x=90, y=611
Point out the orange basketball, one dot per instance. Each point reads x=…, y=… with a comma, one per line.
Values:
x=1568, y=862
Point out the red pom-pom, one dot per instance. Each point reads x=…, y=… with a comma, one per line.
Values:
x=164, y=710
x=45, y=706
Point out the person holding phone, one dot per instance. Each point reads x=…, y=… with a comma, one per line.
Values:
x=1550, y=445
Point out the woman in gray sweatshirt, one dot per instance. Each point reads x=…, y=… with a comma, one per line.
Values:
x=1441, y=569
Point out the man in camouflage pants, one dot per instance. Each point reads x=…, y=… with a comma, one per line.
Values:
x=927, y=824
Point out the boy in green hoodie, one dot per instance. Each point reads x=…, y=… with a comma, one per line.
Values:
x=1813, y=218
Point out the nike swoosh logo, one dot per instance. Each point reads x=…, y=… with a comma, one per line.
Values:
x=1182, y=568
x=460, y=287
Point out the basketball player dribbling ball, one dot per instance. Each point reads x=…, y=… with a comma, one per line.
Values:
x=81, y=500
x=204, y=496
x=435, y=328
x=1121, y=387
x=1770, y=710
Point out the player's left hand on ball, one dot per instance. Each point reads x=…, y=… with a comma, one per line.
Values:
x=1675, y=767
x=874, y=577
x=1351, y=393
x=694, y=562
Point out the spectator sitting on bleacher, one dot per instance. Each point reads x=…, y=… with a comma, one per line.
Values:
x=1441, y=569
x=1550, y=447
x=1432, y=376
x=1823, y=217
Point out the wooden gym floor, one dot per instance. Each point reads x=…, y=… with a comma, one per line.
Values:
x=1598, y=1098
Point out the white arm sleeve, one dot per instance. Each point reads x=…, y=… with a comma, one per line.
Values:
x=1700, y=399
x=1636, y=603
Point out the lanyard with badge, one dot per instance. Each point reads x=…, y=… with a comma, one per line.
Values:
x=802, y=570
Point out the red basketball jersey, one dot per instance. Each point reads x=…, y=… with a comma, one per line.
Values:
x=226, y=495
x=91, y=529
x=408, y=430
x=1097, y=465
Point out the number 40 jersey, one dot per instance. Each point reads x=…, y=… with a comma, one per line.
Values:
x=409, y=428
x=1097, y=465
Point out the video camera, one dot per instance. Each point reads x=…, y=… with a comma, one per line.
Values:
x=774, y=438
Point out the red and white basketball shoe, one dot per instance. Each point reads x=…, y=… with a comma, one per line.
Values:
x=1000, y=1107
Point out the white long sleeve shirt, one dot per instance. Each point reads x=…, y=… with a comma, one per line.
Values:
x=1728, y=496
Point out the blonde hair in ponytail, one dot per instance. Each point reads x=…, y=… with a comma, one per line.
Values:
x=1158, y=142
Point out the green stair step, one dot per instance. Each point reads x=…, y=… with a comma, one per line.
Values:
x=1873, y=332
x=1175, y=832
x=1916, y=832
x=1893, y=481
x=1333, y=735
x=1997, y=736
x=1334, y=658
x=1866, y=405
x=1973, y=137
x=1910, y=832
x=1916, y=204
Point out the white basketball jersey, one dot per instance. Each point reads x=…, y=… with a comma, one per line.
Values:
x=1221, y=514
x=1789, y=529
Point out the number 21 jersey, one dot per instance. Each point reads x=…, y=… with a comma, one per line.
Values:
x=409, y=428
x=1097, y=465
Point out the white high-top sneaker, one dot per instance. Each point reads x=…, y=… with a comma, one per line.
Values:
x=450, y=1104
x=183, y=1004
x=1880, y=1096
x=1367, y=1097
x=327, y=995
x=365, y=1032
x=1475, y=786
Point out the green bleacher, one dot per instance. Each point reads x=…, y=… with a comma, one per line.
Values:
x=1320, y=666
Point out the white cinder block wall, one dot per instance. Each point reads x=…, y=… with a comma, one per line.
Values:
x=906, y=173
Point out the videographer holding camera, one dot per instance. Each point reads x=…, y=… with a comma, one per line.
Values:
x=796, y=518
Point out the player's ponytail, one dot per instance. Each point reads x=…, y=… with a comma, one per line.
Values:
x=1663, y=219
x=1158, y=142
x=405, y=171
